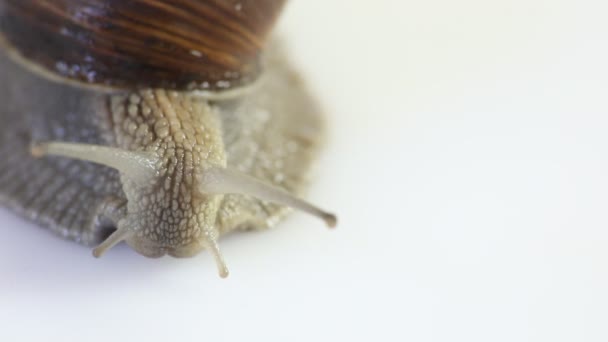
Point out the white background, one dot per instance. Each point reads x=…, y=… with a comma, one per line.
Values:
x=468, y=163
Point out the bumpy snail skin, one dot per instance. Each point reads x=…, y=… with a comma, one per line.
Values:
x=140, y=121
x=162, y=142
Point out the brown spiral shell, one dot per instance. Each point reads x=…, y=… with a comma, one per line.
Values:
x=173, y=44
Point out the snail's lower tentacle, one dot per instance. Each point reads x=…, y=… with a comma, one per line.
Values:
x=213, y=247
x=121, y=234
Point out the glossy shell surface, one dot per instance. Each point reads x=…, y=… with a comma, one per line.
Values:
x=177, y=44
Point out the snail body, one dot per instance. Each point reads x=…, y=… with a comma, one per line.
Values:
x=103, y=145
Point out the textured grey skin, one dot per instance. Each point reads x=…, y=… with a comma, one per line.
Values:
x=271, y=133
x=58, y=193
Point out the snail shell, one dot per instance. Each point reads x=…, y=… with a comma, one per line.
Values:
x=152, y=162
x=179, y=44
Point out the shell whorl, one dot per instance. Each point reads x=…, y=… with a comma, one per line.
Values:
x=172, y=44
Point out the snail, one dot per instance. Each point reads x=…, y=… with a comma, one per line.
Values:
x=162, y=124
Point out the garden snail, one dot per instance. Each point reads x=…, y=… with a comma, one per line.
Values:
x=164, y=124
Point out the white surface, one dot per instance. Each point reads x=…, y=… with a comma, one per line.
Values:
x=468, y=162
